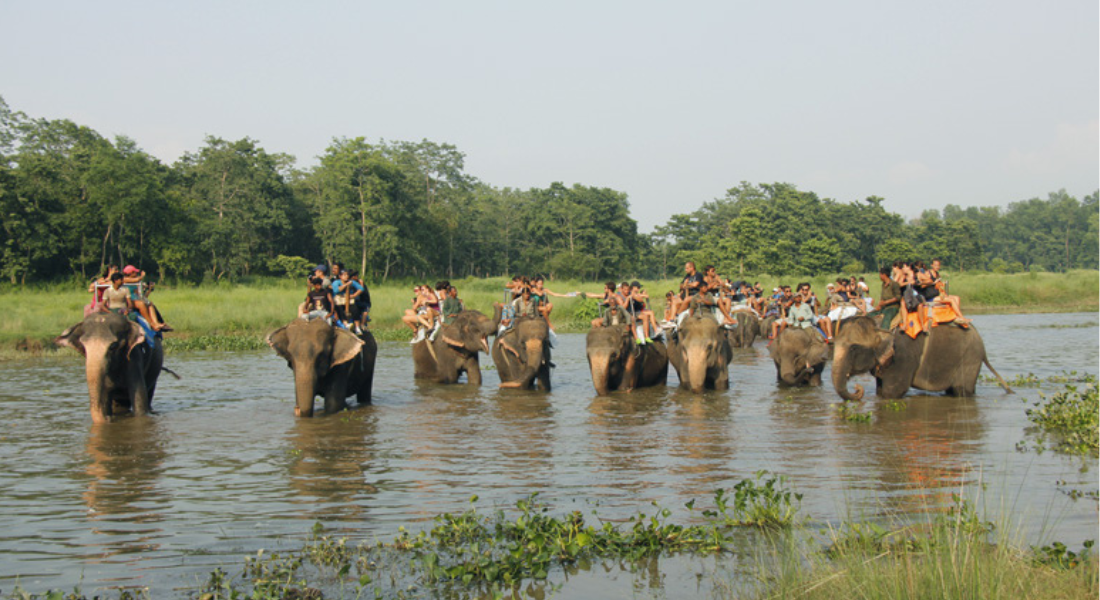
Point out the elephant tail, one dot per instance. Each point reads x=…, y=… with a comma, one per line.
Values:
x=1008, y=390
x=170, y=372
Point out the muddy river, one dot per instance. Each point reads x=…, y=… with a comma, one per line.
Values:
x=225, y=469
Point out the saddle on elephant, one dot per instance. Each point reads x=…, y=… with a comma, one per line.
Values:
x=930, y=315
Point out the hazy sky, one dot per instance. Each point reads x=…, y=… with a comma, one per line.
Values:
x=923, y=103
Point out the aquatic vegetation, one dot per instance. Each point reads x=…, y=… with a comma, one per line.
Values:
x=850, y=414
x=225, y=343
x=1067, y=422
x=1033, y=380
x=758, y=502
x=1056, y=555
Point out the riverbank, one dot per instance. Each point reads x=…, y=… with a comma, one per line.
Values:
x=237, y=316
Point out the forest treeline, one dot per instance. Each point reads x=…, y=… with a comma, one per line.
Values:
x=72, y=201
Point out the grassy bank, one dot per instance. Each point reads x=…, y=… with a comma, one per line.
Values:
x=237, y=316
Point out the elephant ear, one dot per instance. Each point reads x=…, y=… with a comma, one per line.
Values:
x=279, y=342
x=71, y=338
x=345, y=347
x=134, y=338
x=452, y=336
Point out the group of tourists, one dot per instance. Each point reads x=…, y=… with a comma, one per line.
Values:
x=125, y=292
x=913, y=296
x=431, y=309
x=342, y=300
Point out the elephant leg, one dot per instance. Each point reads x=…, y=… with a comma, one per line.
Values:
x=135, y=385
x=366, y=388
x=722, y=380
x=336, y=392
x=544, y=378
x=473, y=371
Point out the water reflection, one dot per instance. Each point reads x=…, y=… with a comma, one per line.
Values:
x=123, y=497
x=126, y=459
x=927, y=451
x=330, y=462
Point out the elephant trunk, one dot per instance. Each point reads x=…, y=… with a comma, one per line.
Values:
x=533, y=362
x=95, y=370
x=789, y=375
x=696, y=359
x=600, y=365
x=305, y=388
x=841, y=370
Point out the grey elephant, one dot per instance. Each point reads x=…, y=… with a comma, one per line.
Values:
x=799, y=356
x=618, y=363
x=946, y=359
x=522, y=354
x=328, y=361
x=120, y=363
x=455, y=349
x=700, y=351
x=745, y=330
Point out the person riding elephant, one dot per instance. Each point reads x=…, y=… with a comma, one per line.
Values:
x=701, y=353
x=455, y=349
x=522, y=354
x=946, y=359
x=122, y=361
x=619, y=364
x=745, y=329
x=799, y=356
x=328, y=361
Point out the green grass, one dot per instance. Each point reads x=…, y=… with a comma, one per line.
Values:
x=219, y=316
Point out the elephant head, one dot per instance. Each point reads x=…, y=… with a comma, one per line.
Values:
x=859, y=347
x=107, y=341
x=313, y=349
x=612, y=357
x=528, y=346
x=703, y=349
x=468, y=332
x=798, y=355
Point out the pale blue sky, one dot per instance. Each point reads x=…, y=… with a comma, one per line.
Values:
x=923, y=103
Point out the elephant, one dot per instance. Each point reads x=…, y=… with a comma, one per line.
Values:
x=700, y=351
x=328, y=361
x=746, y=329
x=120, y=365
x=799, y=356
x=455, y=349
x=946, y=359
x=618, y=363
x=522, y=354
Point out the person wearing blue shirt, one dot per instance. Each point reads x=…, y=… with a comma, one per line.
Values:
x=345, y=292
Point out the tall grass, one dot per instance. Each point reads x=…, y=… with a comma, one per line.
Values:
x=952, y=557
x=34, y=315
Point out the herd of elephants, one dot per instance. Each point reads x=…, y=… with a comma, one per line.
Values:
x=122, y=365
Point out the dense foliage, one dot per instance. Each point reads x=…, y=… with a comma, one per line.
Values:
x=72, y=201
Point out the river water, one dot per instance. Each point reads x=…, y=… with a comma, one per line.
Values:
x=224, y=468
